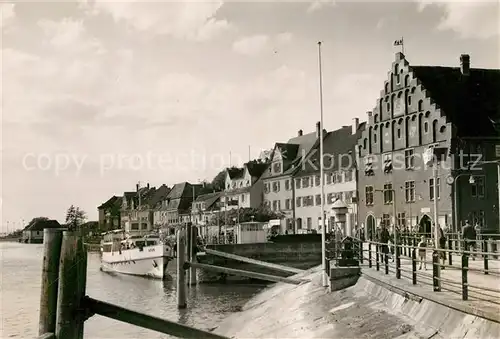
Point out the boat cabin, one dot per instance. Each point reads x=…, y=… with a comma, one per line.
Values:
x=117, y=241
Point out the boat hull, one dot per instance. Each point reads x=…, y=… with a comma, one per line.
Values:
x=151, y=261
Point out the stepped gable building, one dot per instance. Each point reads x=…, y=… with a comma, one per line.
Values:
x=422, y=107
x=340, y=179
x=279, y=194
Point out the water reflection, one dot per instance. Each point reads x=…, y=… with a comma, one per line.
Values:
x=20, y=292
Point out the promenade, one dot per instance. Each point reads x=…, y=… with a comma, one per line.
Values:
x=483, y=289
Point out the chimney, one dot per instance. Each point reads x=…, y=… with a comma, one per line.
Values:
x=355, y=125
x=137, y=187
x=147, y=185
x=300, y=133
x=465, y=64
x=318, y=130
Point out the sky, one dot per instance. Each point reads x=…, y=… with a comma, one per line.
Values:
x=99, y=95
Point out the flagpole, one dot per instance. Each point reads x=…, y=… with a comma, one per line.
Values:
x=321, y=173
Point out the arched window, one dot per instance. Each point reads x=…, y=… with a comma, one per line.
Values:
x=375, y=118
x=420, y=105
x=386, y=88
x=365, y=143
x=407, y=80
x=420, y=128
x=426, y=127
x=434, y=130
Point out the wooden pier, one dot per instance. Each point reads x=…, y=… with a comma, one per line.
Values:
x=64, y=305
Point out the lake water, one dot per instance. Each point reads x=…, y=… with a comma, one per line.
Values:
x=20, y=266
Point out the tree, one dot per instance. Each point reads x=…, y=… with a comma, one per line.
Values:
x=75, y=217
x=219, y=181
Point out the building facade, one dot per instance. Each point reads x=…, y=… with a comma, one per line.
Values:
x=243, y=187
x=420, y=108
x=109, y=214
x=279, y=191
x=339, y=181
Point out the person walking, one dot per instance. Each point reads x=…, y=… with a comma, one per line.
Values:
x=442, y=245
x=384, y=239
x=469, y=238
x=421, y=252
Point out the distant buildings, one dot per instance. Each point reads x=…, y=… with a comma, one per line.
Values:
x=371, y=167
x=33, y=233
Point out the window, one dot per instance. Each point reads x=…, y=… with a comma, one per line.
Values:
x=369, y=166
x=369, y=195
x=410, y=191
x=287, y=204
x=409, y=100
x=348, y=175
x=409, y=159
x=298, y=201
x=329, y=198
x=309, y=223
x=308, y=201
x=386, y=220
x=401, y=220
x=420, y=105
x=399, y=133
x=481, y=220
x=388, y=193
x=277, y=168
x=305, y=182
x=426, y=127
x=275, y=205
x=478, y=187
x=242, y=198
x=338, y=177
x=297, y=183
x=431, y=188
x=287, y=184
x=317, y=180
x=387, y=163
x=375, y=137
x=276, y=186
x=318, y=199
x=348, y=196
x=328, y=178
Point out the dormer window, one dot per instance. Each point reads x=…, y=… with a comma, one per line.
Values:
x=241, y=184
x=234, y=185
x=387, y=163
x=369, y=166
x=228, y=186
x=248, y=182
x=277, y=168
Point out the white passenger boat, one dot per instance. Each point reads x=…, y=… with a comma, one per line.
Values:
x=135, y=255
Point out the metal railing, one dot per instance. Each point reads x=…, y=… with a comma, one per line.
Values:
x=381, y=257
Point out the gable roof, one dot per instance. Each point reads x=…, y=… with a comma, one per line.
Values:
x=255, y=168
x=40, y=225
x=338, y=149
x=235, y=173
x=159, y=194
x=110, y=202
x=462, y=97
x=305, y=143
x=287, y=151
x=209, y=199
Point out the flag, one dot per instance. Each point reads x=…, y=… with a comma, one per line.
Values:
x=398, y=42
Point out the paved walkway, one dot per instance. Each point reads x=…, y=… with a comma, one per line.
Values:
x=484, y=289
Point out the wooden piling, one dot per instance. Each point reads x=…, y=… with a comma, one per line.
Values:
x=52, y=239
x=147, y=321
x=181, y=278
x=188, y=250
x=192, y=251
x=71, y=289
x=275, y=267
x=248, y=274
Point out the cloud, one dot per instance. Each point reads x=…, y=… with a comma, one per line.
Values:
x=251, y=45
x=316, y=5
x=179, y=19
x=284, y=38
x=7, y=14
x=256, y=44
x=478, y=20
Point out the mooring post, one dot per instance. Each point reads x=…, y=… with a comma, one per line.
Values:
x=181, y=276
x=192, y=240
x=71, y=290
x=188, y=249
x=52, y=239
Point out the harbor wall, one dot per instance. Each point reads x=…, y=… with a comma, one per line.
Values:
x=297, y=255
x=365, y=310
